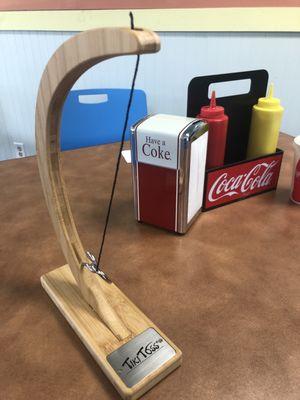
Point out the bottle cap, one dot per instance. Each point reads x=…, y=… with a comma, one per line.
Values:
x=211, y=111
x=269, y=102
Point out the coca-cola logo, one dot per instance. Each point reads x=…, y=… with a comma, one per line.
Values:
x=155, y=148
x=225, y=185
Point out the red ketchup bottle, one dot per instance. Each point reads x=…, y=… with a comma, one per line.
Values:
x=217, y=122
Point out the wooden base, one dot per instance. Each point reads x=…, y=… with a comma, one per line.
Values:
x=98, y=339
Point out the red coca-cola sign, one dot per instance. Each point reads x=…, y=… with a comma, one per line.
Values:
x=227, y=184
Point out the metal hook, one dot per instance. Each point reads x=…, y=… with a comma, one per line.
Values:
x=92, y=267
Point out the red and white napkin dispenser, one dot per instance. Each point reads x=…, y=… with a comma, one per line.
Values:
x=168, y=156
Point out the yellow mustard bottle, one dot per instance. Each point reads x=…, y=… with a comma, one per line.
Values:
x=265, y=125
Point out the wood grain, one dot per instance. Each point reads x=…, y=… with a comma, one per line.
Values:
x=119, y=320
x=98, y=339
x=66, y=65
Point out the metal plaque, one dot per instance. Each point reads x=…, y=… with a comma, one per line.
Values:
x=141, y=356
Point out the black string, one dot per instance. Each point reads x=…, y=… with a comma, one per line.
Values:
x=131, y=20
x=120, y=151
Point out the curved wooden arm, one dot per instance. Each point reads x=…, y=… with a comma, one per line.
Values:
x=66, y=65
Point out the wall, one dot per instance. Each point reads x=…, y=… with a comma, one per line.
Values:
x=164, y=76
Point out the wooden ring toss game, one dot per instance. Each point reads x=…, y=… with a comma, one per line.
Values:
x=129, y=348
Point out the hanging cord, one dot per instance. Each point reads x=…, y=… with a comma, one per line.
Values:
x=131, y=20
x=120, y=151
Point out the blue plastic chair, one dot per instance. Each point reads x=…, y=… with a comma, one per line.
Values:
x=96, y=116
